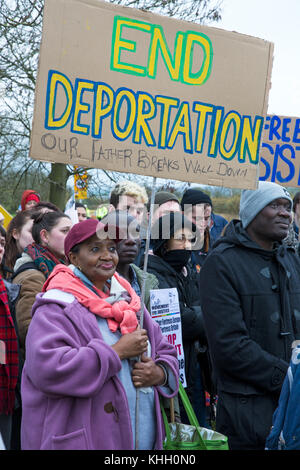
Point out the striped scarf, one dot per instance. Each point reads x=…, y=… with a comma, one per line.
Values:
x=9, y=360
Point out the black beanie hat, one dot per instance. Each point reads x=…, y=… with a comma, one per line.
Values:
x=195, y=196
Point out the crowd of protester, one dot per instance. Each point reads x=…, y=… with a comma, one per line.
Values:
x=77, y=336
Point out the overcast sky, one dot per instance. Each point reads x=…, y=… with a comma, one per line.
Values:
x=277, y=21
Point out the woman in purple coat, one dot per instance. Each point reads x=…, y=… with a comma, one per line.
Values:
x=87, y=355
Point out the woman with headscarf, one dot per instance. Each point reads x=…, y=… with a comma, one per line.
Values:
x=173, y=236
x=86, y=356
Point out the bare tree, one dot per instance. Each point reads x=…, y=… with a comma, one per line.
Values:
x=20, y=35
x=197, y=11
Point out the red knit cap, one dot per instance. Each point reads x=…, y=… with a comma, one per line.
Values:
x=86, y=229
x=29, y=195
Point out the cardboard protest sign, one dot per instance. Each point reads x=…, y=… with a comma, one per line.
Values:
x=280, y=151
x=165, y=310
x=125, y=90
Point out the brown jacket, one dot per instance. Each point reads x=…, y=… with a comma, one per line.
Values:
x=31, y=282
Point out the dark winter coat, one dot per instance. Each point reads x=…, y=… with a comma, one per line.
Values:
x=191, y=315
x=250, y=299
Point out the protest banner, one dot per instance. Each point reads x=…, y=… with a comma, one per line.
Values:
x=280, y=151
x=126, y=90
x=165, y=310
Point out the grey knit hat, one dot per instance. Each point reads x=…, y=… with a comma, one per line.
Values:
x=253, y=201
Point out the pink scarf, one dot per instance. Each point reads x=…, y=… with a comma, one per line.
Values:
x=120, y=314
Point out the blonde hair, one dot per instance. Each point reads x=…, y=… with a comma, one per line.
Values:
x=128, y=188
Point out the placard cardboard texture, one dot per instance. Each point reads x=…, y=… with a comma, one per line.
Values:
x=125, y=90
x=280, y=151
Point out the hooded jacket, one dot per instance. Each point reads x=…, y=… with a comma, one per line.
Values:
x=250, y=299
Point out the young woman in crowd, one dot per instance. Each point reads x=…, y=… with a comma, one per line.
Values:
x=81, y=211
x=86, y=356
x=173, y=237
x=36, y=263
x=17, y=238
x=19, y=234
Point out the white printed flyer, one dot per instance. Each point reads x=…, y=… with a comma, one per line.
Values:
x=165, y=310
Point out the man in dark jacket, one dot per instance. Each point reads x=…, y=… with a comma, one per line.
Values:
x=250, y=297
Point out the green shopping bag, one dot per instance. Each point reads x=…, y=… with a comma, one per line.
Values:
x=191, y=436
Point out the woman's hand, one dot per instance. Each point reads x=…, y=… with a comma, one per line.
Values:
x=146, y=373
x=132, y=344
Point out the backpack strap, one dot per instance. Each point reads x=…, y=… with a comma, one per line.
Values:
x=24, y=267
